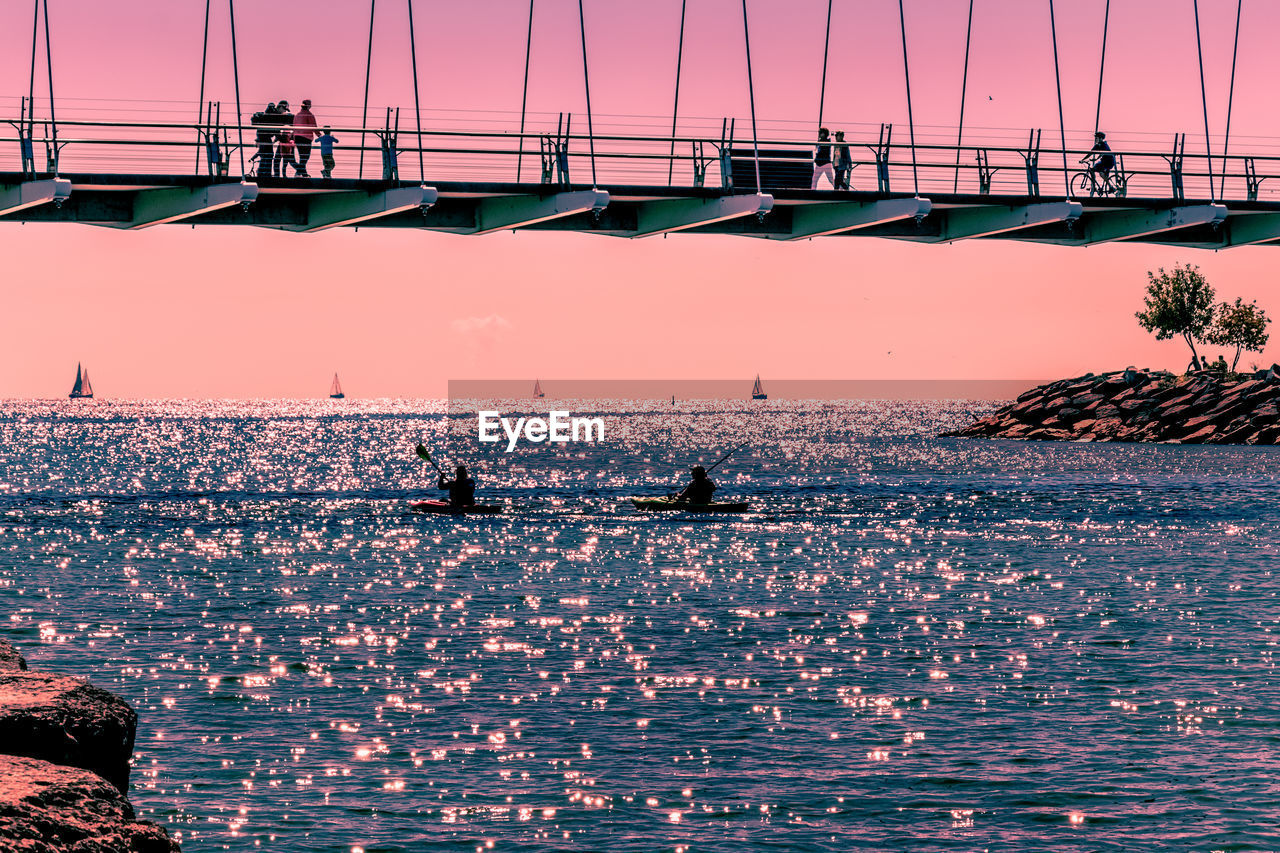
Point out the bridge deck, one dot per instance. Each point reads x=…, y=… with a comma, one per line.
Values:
x=133, y=201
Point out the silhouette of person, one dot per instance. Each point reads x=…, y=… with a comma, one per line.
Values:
x=265, y=139
x=284, y=139
x=1204, y=363
x=700, y=490
x=462, y=489
x=326, y=141
x=844, y=162
x=1103, y=160
x=304, y=130
x=822, y=159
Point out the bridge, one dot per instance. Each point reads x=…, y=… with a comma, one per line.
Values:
x=722, y=180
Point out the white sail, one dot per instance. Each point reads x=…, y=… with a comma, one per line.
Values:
x=82, y=388
x=335, y=390
x=757, y=390
x=537, y=388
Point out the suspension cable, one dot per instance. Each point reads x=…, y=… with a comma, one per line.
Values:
x=368, y=66
x=204, y=58
x=964, y=87
x=1231, y=94
x=417, y=112
x=586, y=82
x=524, y=97
x=1062, y=125
x=675, y=109
x=826, y=48
x=1204, y=100
x=1102, y=66
x=751, y=94
x=235, y=67
x=31, y=95
x=906, y=73
x=53, y=118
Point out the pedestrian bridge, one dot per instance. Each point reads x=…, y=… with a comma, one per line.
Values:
x=706, y=180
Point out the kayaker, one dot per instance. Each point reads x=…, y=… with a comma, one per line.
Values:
x=700, y=490
x=462, y=489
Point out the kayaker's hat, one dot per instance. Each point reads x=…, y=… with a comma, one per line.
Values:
x=698, y=470
x=306, y=102
x=282, y=104
x=1099, y=135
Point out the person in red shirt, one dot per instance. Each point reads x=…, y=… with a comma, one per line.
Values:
x=304, y=131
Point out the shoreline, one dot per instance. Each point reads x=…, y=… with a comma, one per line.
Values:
x=1143, y=406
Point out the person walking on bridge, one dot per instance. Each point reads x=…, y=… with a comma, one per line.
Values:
x=304, y=130
x=822, y=159
x=844, y=162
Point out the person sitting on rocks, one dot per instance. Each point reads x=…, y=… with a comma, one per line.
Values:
x=1220, y=365
x=1204, y=363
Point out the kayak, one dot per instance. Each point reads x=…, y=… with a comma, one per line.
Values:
x=445, y=508
x=659, y=504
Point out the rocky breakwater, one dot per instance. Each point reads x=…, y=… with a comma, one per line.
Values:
x=65, y=747
x=1140, y=405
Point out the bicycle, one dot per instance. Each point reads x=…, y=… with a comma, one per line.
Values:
x=1111, y=183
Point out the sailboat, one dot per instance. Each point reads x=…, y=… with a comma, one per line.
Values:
x=757, y=390
x=335, y=390
x=82, y=390
x=537, y=389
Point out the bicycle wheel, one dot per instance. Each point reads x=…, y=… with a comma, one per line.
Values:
x=1081, y=185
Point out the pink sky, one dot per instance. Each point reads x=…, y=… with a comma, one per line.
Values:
x=238, y=312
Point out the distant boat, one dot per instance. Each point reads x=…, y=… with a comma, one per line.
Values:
x=757, y=390
x=537, y=389
x=335, y=390
x=82, y=390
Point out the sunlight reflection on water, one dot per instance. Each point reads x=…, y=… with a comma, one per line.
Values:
x=912, y=643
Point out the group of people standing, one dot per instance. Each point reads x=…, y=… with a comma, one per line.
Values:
x=831, y=157
x=285, y=139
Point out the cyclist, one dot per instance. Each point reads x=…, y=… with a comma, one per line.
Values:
x=1103, y=160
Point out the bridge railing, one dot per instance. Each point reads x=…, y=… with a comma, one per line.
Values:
x=722, y=161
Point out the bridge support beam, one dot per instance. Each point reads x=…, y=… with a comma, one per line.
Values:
x=499, y=214
x=965, y=223
x=665, y=217
x=1132, y=224
x=817, y=220
x=332, y=210
x=157, y=207
x=1252, y=229
x=18, y=197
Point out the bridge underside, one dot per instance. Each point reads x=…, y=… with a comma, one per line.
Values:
x=123, y=201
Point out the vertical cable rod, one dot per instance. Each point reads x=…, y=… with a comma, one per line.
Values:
x=826, y=49
x=368, y=67
x=751, y=94
x=417, y=111
x=964, y=88
x=235, y=66
x=1231, y=95
x=1062, y=125
x=675, y=109
x=524, y=97
x=1102, y=66
x=1204, y=99
x=586, y=82
x=204, y=58
x=906, y=73
x=53, y=116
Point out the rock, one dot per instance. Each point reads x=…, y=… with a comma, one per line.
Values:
x=67, y=721
x=45, y=808
x=10, y=659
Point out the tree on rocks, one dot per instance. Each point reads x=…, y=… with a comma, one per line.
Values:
x=1179, y=303
x=1241, y=325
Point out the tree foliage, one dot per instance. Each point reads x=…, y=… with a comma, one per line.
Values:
x=1179, y=304
x=1242, y=325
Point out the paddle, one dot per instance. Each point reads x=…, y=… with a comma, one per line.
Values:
x=425, y=454
x=717, y=465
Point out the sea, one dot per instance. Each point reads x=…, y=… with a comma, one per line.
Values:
x=909, y=643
